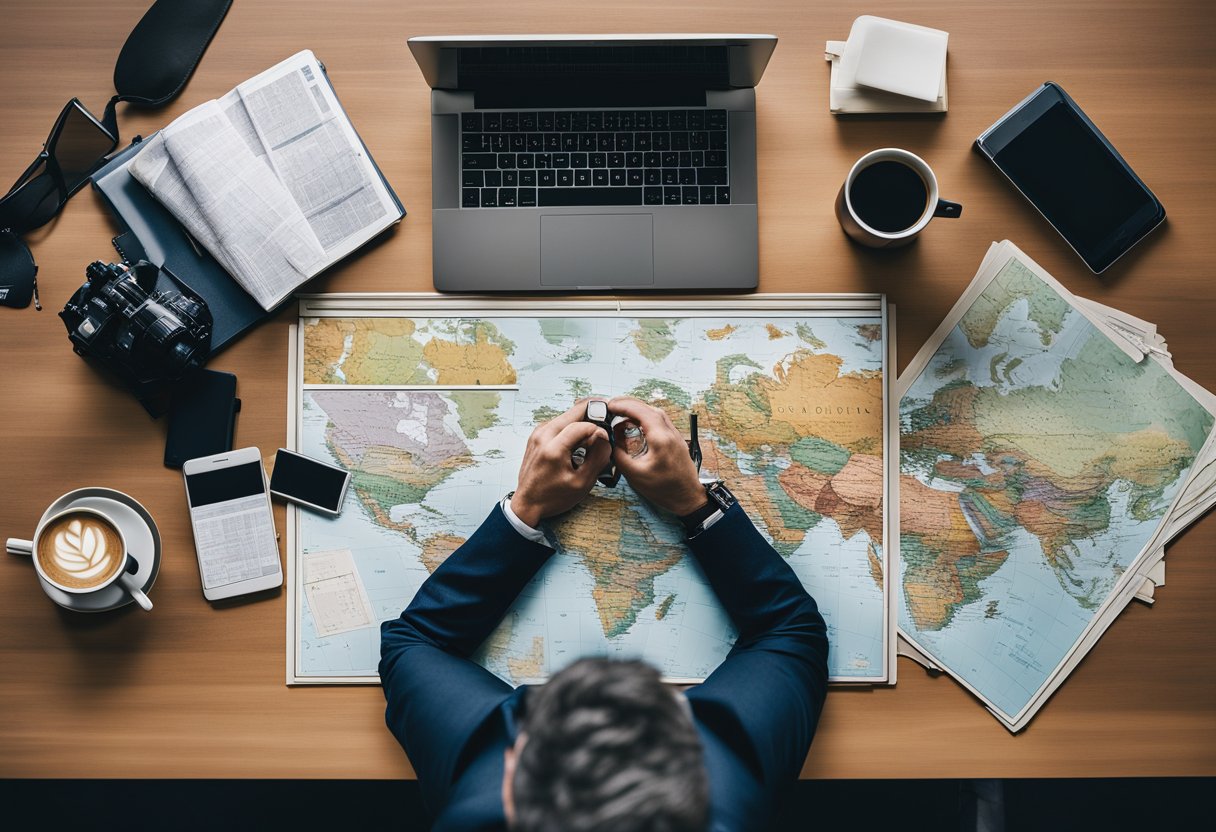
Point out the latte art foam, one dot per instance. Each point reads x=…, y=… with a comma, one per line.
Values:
x=80, y=550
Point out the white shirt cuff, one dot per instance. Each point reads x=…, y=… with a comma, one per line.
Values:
x=525, y=531
x=709, y=521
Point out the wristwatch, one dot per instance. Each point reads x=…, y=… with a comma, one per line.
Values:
x=720, y=499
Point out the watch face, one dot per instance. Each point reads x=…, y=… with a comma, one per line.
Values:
x=721, y=495
x=597, y=411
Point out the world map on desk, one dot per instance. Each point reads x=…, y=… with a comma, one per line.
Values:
x=1037, y=462
x=790, y=413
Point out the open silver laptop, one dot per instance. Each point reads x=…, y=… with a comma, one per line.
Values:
x=594, y=162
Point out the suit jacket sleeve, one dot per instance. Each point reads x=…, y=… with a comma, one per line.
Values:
x=437, y=698
x=764, y=700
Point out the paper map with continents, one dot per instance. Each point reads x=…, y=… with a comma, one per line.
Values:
x=429, y=402
x=1037, y=464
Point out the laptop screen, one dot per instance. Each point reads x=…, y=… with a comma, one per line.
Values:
x=568, y=75
x=632, y=63
x=576, y=70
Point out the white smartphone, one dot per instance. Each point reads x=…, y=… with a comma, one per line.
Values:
x=309, y=482
x=233, y=525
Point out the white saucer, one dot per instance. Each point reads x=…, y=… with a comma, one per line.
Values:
x=143, y=544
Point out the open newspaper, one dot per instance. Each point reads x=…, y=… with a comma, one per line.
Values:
x=271, y=179
x=1049, y=452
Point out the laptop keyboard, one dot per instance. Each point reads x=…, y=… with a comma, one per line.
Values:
x=557, y=158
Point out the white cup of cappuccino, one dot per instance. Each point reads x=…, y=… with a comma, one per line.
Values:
x=80, y=551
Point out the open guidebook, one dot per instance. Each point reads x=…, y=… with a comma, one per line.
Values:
x=271, y=179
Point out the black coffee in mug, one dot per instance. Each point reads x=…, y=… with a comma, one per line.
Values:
x=889, y=196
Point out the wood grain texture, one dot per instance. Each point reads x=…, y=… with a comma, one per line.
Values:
x=195, y=690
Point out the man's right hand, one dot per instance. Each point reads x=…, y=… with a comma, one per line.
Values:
x=665, y=474
x=549, y=484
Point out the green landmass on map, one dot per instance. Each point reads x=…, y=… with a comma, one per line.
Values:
x=870, y=332
x=1047, y=308
x=664, y=607
x=654, y=338
x=819, y=455
x=662, y=394
x=950, y=368
x=580, y=388
x=808, y=336
x=475, y=410
x=555, y=330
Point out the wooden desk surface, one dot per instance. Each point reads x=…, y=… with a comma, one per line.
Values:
x=193, y=690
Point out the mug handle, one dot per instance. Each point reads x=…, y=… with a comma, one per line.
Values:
x=948, y=209
x=17, y=546
x=132, y=586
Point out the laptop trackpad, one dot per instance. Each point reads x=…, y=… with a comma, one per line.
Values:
x=597, y=250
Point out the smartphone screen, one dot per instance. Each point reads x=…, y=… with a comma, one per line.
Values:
x=307, y=480
x=1063, y=168
x=1077, y=181
x=233, y=527
x=225, y=484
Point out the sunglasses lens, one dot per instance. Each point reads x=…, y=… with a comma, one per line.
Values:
x=80, y=146
x=17, y=271
x=31, y=205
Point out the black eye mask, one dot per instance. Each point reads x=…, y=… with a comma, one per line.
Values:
x=162, y=52
x=18, y=283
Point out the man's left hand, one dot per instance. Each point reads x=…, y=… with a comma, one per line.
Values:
x=549, y=484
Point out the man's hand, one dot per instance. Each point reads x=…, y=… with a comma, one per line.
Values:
x=549, y=484
x=664, y=474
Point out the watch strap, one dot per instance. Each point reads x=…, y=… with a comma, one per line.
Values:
x=693, y=520
x=719, y=499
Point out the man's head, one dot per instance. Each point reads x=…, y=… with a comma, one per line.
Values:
x=606, y=746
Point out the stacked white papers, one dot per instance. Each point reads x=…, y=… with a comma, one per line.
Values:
x=1049, y=452
x=888, y=66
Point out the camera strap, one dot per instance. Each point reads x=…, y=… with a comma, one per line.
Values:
x=162, y=52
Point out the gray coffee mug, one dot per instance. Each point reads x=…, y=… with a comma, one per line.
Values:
x=866, y=235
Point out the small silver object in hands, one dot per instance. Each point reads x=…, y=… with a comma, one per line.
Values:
x=634, y=439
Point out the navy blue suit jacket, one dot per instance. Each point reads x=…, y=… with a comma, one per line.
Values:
x=755, y=714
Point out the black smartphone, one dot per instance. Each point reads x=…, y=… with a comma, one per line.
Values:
x=309, y=482
x=1061, y=162
x=202, y=417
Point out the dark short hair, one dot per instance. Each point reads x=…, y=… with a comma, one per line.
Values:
x=610, y=749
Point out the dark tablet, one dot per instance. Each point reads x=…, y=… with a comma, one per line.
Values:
x=1061, y=162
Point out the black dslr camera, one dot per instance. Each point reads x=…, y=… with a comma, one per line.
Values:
x=145, y=335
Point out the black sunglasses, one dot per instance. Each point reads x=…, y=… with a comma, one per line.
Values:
x=76, y=147
x=157, y=59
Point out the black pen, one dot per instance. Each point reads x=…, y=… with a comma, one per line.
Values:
x=694, y=447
